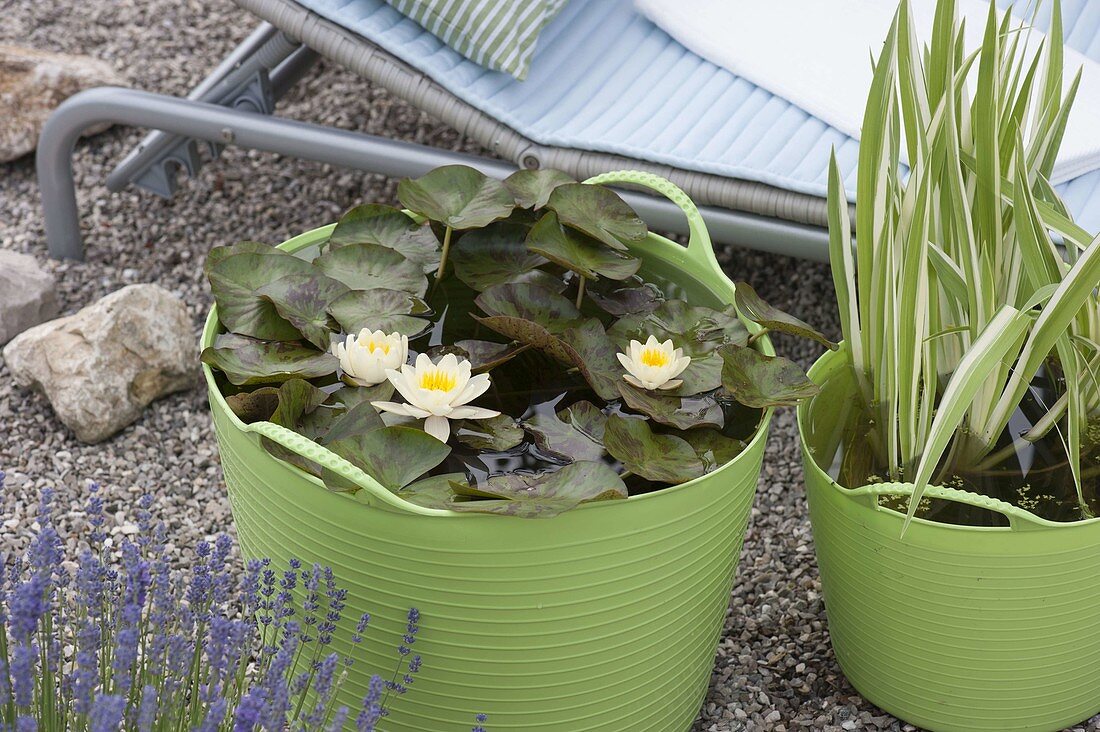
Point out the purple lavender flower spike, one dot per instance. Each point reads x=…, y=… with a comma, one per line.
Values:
x=480, y=726
x=107, y=712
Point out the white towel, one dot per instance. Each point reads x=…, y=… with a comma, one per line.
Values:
x=816, y=54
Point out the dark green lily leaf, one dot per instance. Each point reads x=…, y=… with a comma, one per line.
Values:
x=632, y=296
x=389, y=227
x=247, y=361
x=712, y=447
x=235, y=281
x=761, y=381
x=394, y=456
x=532, y=188
x=217, y=254
x=683, y=413
x=662, y=458
x=702, y=374
x=371, y=266
x=357, y=420
x=497, y=255
x=598, y=212
x=530, y=334
x=350, y=395
x=578, y=252
x=530, y=302
x=254, y=406
x=496, y=433
x=574, y=433
x=757, y=310
x=593, y=352
x=698, y=330
x=434, y=491
x=297, y=400
x=380, y=309
x=303, y=301
x=487, y=355
x=541, y=495
x=457, y=196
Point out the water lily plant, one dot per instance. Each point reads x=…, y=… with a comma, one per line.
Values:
x=494, y=347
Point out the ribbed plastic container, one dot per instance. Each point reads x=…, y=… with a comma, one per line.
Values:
x=952, y=628
x=603, y=618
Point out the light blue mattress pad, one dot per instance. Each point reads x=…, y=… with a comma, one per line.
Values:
x=605, y=78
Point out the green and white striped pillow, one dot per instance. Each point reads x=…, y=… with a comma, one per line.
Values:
x=496, y=34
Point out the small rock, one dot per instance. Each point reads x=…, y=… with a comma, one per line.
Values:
x=100, y=367
x=32, y=84
x=28, y=294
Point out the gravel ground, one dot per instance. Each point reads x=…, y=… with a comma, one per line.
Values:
x=775, y=669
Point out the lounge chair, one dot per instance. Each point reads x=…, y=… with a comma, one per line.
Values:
x=607, y=89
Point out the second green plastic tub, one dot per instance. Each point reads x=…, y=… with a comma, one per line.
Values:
x=603, y=618
x=952, y=628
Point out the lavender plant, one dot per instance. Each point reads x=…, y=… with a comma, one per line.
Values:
x=114, y=638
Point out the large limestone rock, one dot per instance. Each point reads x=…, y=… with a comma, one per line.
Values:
x=32, y=84
x=28, y=294
x=102, y=366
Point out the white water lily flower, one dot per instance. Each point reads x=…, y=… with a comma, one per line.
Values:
x=365, y=358
x=437, y=392
x=653, y=365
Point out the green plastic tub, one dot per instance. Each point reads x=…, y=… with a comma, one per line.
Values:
x=952, y=627
x=603, y=618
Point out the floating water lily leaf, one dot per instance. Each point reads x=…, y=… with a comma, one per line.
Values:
x=497, y=255
x=389, y=227
x=303, y=301
x=598, y=212
x=496, y=433
x=217, y=254
x=632, y=296
x=457, y=196
x=761, y=381
x=380, y=309
x=530, y=334
x=712, y=447
x=574, y=433
x=487, y=355
x=578, y=252
x=434, y=491
x=247, y=361
x=235, y=280
x=593, y=352
x=254, y=406
x=702, y=374
x=756, y=309
x=541, y=495
x=357, y=420
x=530, y=302
x=683, y=413
x=296, y=400
x=532, y=188
x=394, y=456
x=662, y=458
x=371, y=266
x=350, y=395
x=698, y=330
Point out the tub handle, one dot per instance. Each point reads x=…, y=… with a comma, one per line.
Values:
x=372, y=492
x=699, y=245
x=1019, y=519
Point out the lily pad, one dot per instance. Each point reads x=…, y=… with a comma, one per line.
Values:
x=254, y=406
x=457, y=196
x=697, y=330
x=389, y=227
x=762, y=381
x=235, y=281
x=434, y=491
x=380, y=309
x=578, y=252
x=350, y=395
x=598, y=212
x=495, y=433
x=394, y=456
x=497, y=255
x=702, y=374
x=712, y=447
x=657, y=457
x=357, y=420
x=532, y=188
x=372, y=266
x=573, y=434
x=683, y=413
x=303, y=300
x=247, y=361
x=541, y=495
x=296, y=399
x=530, y=302
x=217, y=254
x=631, y=296
x=756, y=309
x=487, y=355
x=593, y=352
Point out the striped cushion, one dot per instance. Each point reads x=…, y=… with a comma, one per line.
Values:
x=496, y=34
